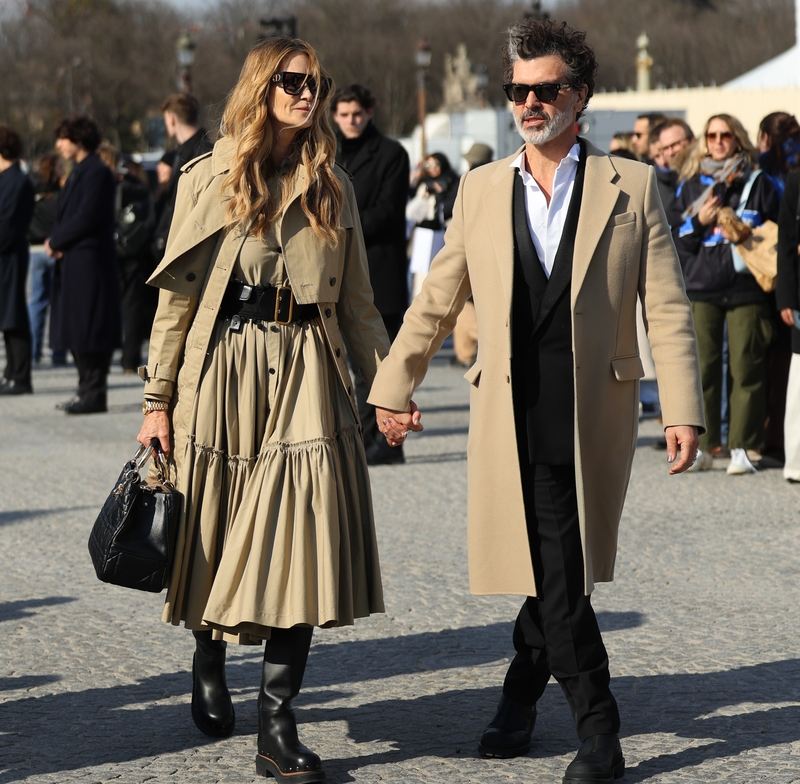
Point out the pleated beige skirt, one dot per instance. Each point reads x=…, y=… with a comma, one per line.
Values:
x=278, y=527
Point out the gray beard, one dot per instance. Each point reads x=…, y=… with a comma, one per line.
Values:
x=553, y=128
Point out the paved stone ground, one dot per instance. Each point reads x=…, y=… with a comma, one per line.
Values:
x=702, y=626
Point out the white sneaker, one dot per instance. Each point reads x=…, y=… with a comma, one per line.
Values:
x=740, y=464
x=703, y=462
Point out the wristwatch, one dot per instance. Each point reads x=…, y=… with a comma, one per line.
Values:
x=154, y=405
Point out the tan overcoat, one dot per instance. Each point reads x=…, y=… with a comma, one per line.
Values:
x=623, y=248
x=197, y=267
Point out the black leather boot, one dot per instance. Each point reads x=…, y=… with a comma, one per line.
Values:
x=598, y=761
x=280, y=753
x=509, y=732
x=212, y=708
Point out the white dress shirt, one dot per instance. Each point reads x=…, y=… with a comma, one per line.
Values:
x=546, y=222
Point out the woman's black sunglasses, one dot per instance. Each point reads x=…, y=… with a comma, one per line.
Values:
x=546, y=92
x=294, y=83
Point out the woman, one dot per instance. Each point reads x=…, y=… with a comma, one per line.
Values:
x=134, y=231
x=264, y=277
x=85, y=309
x=16, y=208
x=778, y=147
x=434, y=185
x=47, y=175
x=720, y=173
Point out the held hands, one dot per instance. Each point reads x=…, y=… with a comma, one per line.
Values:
x=156, y=425
x=396, y=424
x=787, y=316
x=53, y=254
x=685, y=439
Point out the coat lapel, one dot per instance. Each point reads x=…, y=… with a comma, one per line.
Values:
x=599, y=197
x=498, y=201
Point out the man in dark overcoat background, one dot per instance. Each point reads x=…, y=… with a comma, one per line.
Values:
x=380, y=171
x=85, y=315
x=16, y=209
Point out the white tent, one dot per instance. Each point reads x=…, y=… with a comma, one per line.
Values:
x=781, y=71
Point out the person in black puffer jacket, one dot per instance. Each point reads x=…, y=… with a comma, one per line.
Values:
x=721, y=289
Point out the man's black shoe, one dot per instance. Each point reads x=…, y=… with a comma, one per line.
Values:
x=509, y=732
x=598, y=761
x=87, y=406
x=15, y=388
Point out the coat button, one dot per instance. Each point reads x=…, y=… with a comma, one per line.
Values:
x=508, y=379
x=328, y=312
x=333, y=281
x=272, y=371
x=191, y=276
x=279, y=249
x=338, y=352
x=274, y=328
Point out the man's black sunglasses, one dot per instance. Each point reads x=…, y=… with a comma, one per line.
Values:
x=294, y=83
x=546, y=92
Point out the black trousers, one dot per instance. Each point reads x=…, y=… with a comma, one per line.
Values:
x=557, y=632
x=18, y=355
x=374, y=441
x=93, y=367
x=139, y=302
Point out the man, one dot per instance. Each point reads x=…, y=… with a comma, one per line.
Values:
x=668, y=139
x=641, y=134
x=554, y=243
x=379, y=167
x=181, y=113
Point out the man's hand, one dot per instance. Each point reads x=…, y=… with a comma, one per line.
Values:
x=685, y=439
x=787, y=316
x=396, y=424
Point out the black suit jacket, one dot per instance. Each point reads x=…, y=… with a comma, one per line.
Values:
x=85, y=310
x=542, y=363
x=380, y=171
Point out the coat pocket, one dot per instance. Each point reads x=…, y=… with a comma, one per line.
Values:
x=473, y=375
x=623, y=219
x=627, y=368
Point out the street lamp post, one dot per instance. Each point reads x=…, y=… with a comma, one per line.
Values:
x=423, y=61
x=184, y=49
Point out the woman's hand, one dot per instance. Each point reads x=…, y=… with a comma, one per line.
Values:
x=787, y=316
x=708, y=212
x=396, y=424
x=156, y=425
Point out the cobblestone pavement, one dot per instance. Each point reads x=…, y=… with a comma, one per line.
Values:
x=701, y=624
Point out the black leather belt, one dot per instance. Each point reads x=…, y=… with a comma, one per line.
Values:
x=243, y=302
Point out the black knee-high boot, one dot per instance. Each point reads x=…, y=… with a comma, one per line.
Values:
x=280, y=753
x=212, y=709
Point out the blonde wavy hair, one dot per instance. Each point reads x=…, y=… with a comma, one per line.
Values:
x=691, y=166
x=246, y=122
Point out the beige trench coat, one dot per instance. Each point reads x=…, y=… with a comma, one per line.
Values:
x=623, y=248
x=197, y=267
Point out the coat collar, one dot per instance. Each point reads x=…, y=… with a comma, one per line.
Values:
x=599, y=191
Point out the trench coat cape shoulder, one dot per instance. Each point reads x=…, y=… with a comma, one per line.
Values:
x=623, y=248
x=199, y=259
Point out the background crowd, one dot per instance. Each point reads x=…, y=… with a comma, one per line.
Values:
x=94, y=224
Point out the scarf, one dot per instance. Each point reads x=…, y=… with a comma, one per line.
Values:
x=725, y=172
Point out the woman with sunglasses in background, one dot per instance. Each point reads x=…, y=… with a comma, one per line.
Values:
x=721, y=173
x=264, y=277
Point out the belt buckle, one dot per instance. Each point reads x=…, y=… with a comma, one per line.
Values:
x=279, y=299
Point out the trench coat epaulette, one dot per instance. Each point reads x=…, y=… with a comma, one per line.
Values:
x=189, y=166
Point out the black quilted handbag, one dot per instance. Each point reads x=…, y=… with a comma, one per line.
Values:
x=133, y=539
